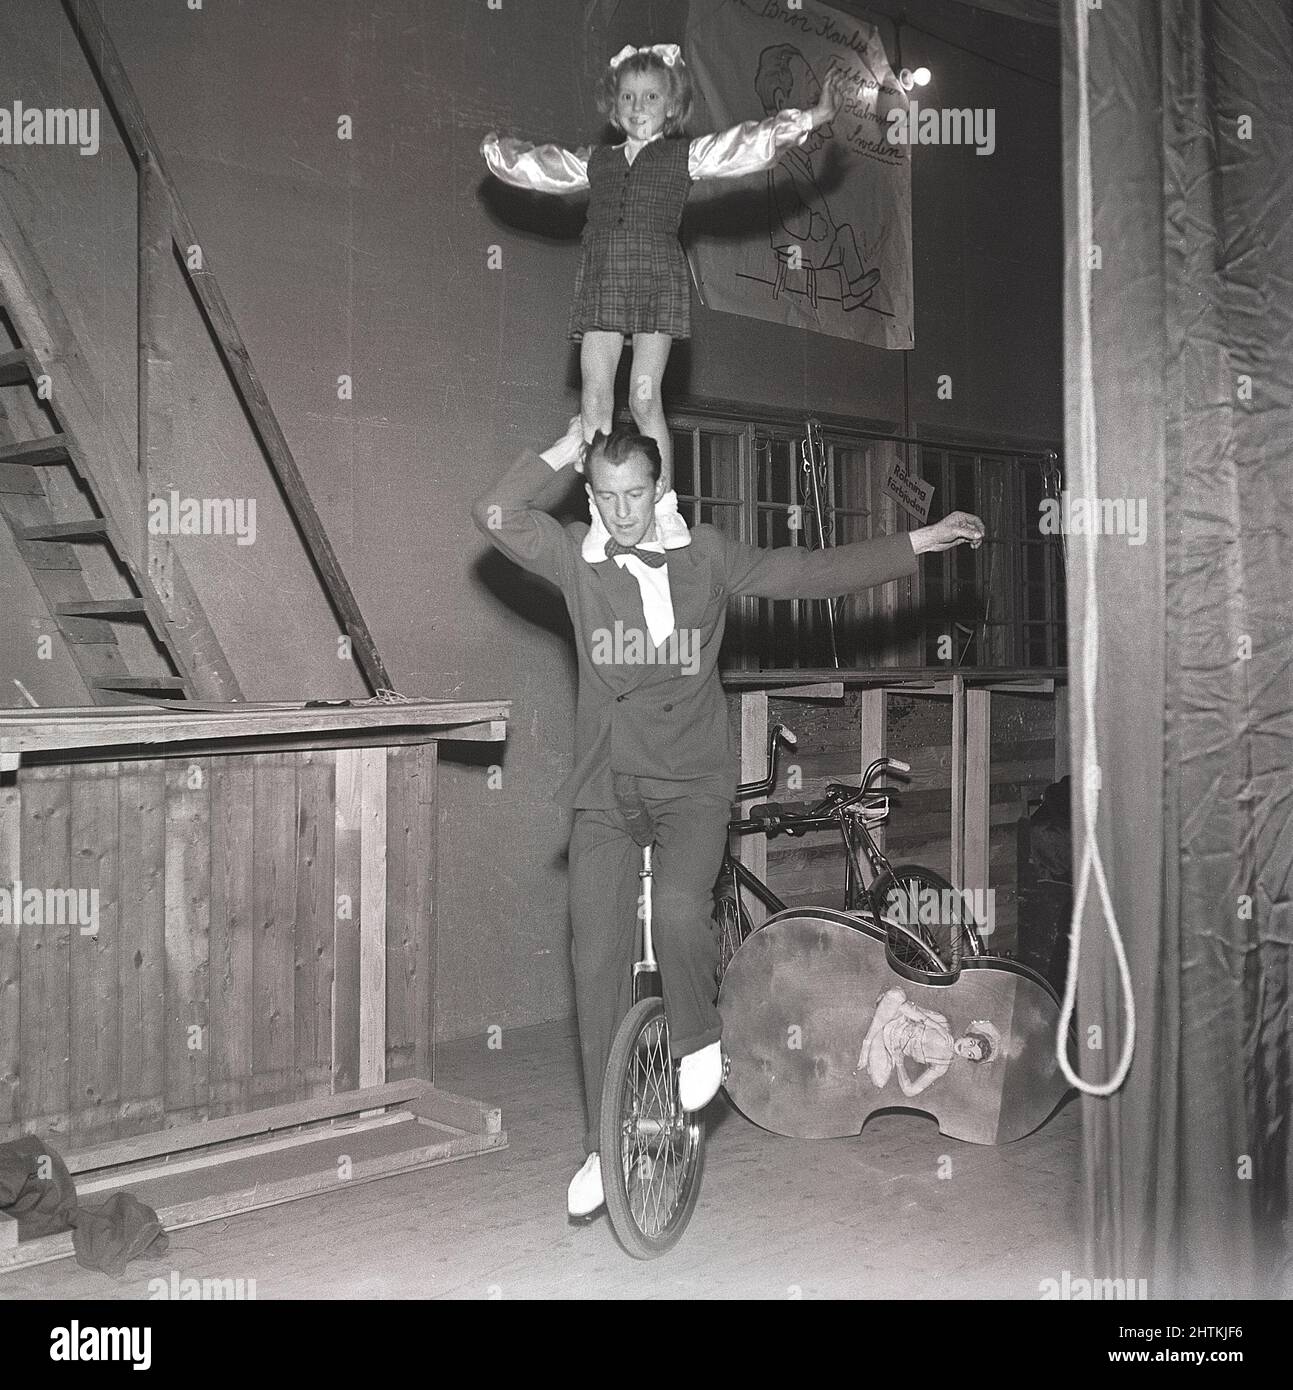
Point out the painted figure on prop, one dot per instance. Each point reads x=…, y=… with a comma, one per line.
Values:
x=901, y=1031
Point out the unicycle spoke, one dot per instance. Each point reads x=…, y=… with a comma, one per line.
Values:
x=650, y=1159
x=654, y=1181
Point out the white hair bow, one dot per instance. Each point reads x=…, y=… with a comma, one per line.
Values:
x=668, y=53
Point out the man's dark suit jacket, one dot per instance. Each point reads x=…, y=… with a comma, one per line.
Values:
x=668, y=728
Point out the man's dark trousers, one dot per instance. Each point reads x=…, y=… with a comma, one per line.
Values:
x=605, y=862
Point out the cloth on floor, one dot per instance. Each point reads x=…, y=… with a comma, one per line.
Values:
x=111, y=1234
x=37, y=1189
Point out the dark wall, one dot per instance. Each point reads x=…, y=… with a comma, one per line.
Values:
x=369, y=257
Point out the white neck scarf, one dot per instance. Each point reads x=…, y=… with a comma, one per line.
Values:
x=653, y=583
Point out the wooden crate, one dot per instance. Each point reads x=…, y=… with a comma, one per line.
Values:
x=265, y=911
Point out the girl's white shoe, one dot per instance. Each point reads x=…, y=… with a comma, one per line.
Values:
x=585, y=1194
x=700, y=1074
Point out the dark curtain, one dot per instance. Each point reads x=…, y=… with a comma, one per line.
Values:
x=1178, y=169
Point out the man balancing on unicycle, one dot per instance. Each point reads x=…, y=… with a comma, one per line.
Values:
x=651, y=725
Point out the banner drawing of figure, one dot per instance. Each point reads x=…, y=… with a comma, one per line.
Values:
x=802, y=229
x=834, y=254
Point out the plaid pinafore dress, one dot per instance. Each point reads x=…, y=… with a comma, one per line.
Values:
x=633, y=274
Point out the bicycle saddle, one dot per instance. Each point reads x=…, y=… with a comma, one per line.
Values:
x=773, y=810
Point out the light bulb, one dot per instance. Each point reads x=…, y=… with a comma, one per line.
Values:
x=921, y=77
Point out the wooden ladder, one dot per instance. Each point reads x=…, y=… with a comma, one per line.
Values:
x=77, y=557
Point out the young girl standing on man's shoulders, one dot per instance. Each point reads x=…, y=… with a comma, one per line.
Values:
x=632, y=280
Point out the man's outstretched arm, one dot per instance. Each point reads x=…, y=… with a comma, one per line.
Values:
x=796, y=572
x=509, y=518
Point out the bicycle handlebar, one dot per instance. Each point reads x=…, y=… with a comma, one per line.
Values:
x=779, y=733
x=879, y=766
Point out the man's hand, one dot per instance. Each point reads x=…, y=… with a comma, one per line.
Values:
x=569, y=449
x=954, y=528
x=831, y=99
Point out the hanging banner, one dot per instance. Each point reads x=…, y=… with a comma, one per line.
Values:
x=822, y=240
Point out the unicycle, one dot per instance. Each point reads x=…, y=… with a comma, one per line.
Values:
x=652, y=1152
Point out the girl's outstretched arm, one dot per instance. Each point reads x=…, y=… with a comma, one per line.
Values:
x=543, y=168
x=753, y=146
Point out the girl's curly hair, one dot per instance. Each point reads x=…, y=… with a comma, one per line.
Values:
x=680, y=94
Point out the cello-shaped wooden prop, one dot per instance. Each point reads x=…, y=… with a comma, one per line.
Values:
x=823, y=1028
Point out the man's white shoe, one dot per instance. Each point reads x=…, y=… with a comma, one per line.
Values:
x=585, y=1194
x=700, y=1074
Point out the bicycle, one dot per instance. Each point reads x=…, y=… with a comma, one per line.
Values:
x=894, y=897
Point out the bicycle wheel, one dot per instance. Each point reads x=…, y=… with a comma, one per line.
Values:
x=929, y=907
x=732, y=923
x=908, y=949
x=652, y=1152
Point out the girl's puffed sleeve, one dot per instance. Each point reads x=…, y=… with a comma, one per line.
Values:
x=544, y=168
x=749, y=147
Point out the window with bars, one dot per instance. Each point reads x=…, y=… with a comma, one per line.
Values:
x=999, y=606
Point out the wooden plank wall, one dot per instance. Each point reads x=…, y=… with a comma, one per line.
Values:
x=225, y=973
x=919, y=731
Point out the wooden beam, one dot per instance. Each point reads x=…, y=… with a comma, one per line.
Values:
x=458, y=1112
x=207, y=668
x=372, y=917
x=26, y=730
x=753, y=849
x=1061, y=732
x=874, y=740
x=820, y=690
x=1022, y=687
x=37, y=453
x=270, y=1120
x=958, y=780
x=238, y=1149
x=347, y=898
x=940, y=689
x=288, y=743
x=10, y=873
x=156, y=386
x=893, y=676
x=978, y=789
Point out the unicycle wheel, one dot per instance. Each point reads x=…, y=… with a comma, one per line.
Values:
x=652, y=1152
